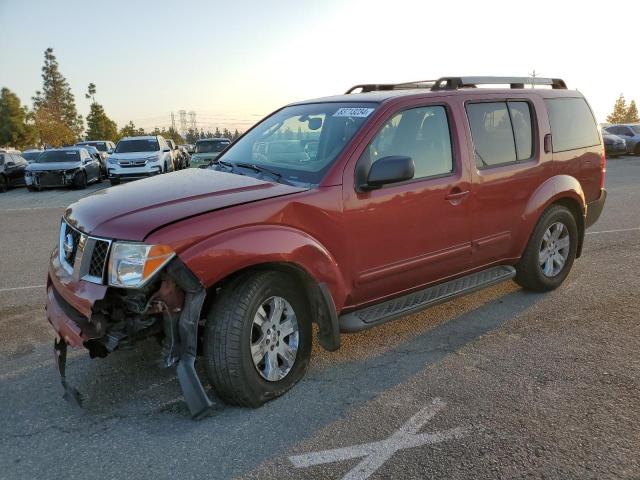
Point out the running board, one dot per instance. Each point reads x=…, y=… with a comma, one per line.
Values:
x=414, y=302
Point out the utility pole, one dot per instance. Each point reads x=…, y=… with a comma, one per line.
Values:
x=533, y=78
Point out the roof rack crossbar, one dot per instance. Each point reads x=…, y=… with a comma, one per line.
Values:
x=454, y=83
x=375, y=87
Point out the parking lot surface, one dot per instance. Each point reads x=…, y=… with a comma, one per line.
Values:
x=499, y=384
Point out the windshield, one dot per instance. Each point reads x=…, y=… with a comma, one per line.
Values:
x=212, y=146
x=51, y=156
x=101, y=146
x=635, y=128
x=301, y=142
x=146, y=145
x=30, y=156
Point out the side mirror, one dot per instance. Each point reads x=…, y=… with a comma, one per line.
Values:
x=11, y=164
x=166, y=149
x=391, y=169
x=110, y=151
x=87, y=160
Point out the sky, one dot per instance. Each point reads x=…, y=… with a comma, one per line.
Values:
x=235, y=62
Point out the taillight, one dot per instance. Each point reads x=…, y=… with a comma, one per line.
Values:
x=603, y=169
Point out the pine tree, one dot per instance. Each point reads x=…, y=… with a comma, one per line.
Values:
x=632, y=113
x=52, y=132
x=619, y=113
x=99, y=126
x=14, y=130
x=236, y=135
x=56, y=97
x=217, y=133
x=226, y=133
x=130, y=130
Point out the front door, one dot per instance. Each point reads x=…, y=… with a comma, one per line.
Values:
x=416, y=232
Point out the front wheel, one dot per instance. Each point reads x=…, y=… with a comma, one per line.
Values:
x=550, y=252
x=80, y=180
x=257, y=341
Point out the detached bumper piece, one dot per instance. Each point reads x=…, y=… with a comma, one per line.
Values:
x=71, y=395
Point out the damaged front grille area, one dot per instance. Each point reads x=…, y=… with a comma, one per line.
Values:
x=82, y=256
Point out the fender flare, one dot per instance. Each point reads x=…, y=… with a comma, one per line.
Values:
x=557, y=189
x=281, y=247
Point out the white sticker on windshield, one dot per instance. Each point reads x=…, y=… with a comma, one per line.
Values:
x=353, y=112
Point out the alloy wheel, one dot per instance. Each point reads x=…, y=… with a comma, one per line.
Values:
x=274, y=339
x=554, y=249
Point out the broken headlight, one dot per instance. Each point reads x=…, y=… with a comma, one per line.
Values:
x=131, y=265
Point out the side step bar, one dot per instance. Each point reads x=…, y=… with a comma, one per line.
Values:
x=414, y=302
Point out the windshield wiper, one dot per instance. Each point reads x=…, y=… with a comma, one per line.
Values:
x=260, y=169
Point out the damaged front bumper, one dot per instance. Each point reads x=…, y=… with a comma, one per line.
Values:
x=102, y=318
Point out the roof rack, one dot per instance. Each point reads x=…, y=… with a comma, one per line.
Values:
x=455, y=83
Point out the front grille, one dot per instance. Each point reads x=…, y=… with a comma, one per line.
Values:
x=98, y=258
x=83, y=256
x=132, y=163
x=51, y=179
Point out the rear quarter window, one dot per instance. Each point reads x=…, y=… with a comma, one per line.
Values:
x=572, y=124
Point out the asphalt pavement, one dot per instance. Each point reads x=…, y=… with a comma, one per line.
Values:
x=499, y=384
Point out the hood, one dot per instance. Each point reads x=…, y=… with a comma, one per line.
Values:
x=204, y=156
x=41, y=167
x=132, y=211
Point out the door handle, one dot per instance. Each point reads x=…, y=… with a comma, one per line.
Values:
x=456, y=195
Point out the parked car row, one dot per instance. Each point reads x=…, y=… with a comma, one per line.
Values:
x=91, y=161
x=629, y=133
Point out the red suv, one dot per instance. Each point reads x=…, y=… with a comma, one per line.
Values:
x=346, y=211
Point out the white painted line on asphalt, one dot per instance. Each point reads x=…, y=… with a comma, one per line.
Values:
x=614, y=231
x=377, y=453
x=13, y=289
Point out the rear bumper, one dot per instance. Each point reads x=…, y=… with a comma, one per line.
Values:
x=594, y=209
x=70, y=304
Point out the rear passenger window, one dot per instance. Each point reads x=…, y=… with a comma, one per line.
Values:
x=572, y=124
x=420, y=133
x=502, y=132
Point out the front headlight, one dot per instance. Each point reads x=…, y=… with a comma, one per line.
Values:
x=113, y=161
x=152, y=158
x=132, y=265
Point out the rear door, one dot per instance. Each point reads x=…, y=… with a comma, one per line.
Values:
x=510, y=163
x=412, y=233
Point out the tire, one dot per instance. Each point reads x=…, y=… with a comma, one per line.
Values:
x=4, y=184
x=115, y=181
x=636, y=150
x=530, y=273
x=230, y=332
x=31, y=188
x=80, y=180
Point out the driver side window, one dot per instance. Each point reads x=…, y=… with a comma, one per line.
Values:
x=420, y=133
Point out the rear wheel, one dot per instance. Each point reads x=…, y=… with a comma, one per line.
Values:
x=636, y=150
x=257, y=339
x=551, y=251
x=115, y=181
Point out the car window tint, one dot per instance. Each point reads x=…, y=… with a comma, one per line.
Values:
x=572, y=124
x=1, y=158
x=492, y=133
x=522, y=129
x=420, y=133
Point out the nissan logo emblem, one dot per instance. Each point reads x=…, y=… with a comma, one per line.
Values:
x=68, y=246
